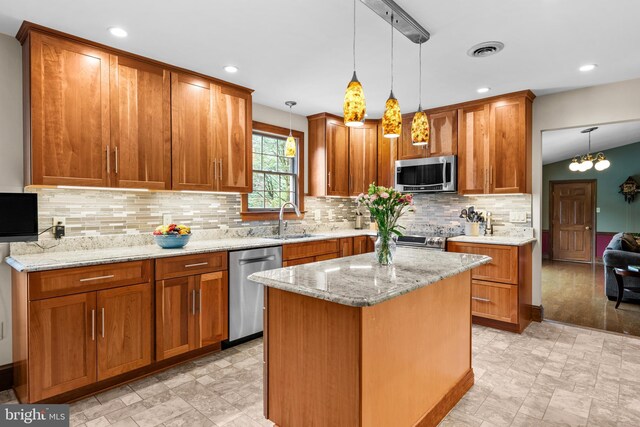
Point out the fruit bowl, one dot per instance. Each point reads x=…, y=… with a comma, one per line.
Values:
x=172, y=236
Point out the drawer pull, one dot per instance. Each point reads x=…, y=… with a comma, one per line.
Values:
x=198, y=264
x=89, y=279
x=193, y=302
x=102, y=322
x=481, y=299
x=93, y=325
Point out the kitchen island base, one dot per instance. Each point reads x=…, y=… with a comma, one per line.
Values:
x=403, y=362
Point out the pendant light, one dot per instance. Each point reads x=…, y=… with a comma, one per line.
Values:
x=290, y=145
x=392, y=118
x=355, y=106
x=420, y=124
x=588, y=161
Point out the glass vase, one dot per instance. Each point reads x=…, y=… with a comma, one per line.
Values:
x=385, y=248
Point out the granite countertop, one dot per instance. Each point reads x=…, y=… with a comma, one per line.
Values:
x=494, y=240
x=359, y=281
x=55, y=260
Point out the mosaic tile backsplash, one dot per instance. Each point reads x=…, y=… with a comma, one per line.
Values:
x=126, y=218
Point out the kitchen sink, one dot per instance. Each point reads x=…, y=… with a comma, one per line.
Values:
x=293, y=236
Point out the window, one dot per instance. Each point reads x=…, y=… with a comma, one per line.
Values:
x=276, y=179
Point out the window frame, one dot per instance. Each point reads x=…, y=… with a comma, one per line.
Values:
x=271, y=214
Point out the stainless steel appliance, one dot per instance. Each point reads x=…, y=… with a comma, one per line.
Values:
x=246, y=298
x=438, y=243
x=427, y=175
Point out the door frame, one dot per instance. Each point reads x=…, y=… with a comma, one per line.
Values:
x=594, y=202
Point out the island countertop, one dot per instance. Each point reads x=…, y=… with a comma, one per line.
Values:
x=359, y=281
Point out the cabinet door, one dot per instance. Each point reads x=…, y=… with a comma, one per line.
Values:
x=406, y=149
x=346, y=246
x=387, y=155
x=192, y=141
x=337, y=158
x=232, y=129
x=360, y=245
x=175, y=316
x=62, y=347
x=213, y=319
x=69, y=113
x=363, y=152
x=473, y=149
x=124, y=329
x=504, y=261
x=443, y=140
x=140, y=124
x=495, y=301
x=507, y=160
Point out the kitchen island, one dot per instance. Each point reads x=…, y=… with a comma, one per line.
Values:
x=351, y=343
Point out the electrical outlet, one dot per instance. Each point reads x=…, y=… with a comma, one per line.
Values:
x=330, y=214
x=59, y=220
x=515, y=216
x=597, y=210
x=317, y=214
x=1, y=331
x=59, y=225
x=167, y=219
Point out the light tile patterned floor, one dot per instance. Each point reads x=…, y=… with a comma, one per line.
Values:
x=551, y=375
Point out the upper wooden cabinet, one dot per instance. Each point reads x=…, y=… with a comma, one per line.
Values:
x=363, y=145
x=97, y=116
x=68, y=110
x=342, y=160
x=140, y=101
x=406, y=149
x=443, y=140
x=494, y=148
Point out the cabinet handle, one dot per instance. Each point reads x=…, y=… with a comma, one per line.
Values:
x=102, y=322
x=197, y=264
x=200, y=301
x=108, y=152
x=93, y=325
x=220, y=169
x=116, y=159
x=193, y=302
x=89, y=279
x=329, y=185
x=215, y=169
x=491, y=176
x=481, y=299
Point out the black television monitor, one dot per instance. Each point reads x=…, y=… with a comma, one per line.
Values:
x=18, y=217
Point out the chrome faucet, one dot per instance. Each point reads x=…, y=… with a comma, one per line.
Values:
x=282, y=224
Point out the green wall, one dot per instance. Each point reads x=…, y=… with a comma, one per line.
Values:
x=615, y=214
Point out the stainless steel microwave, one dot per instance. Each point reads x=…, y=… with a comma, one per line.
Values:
x=427, y=175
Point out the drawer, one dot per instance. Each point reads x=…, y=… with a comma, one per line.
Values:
x=47, y=284
x=310, y=249
x=187, y=265
x=327, y=256
x=495, y=301
x=298, y=261
x=504, y=261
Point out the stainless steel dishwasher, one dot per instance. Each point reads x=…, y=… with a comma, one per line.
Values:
x=246, y=298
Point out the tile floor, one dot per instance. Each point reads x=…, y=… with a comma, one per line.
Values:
x=551, y=375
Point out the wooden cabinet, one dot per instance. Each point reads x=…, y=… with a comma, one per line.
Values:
x=124, y=338
x=99, y=117
x=305, y=252
x=501, y=289
x=191, y=309
x=140, y=102
x=363, y=153
x=62, y=346
x=443, y=140
x=494, y=147
x=232, y=133
x=406, y=149
x=342, y=160
x=387, y=156
x=68, y=113
x=363, y=244
x=80, y=336
x=346, y=247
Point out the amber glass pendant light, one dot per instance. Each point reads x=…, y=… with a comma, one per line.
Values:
x=355, y=106
x=420, y=125
x=392, y=118
x=290, y=145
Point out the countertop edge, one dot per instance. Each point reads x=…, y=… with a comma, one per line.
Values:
x=363, y=302
x=498, y=240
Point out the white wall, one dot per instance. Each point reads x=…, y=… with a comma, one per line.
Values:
x=11, y=171
x=264, y=114
x=594, y=105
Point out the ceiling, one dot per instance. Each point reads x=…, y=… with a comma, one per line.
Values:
x=564, y=144
x=301, y=49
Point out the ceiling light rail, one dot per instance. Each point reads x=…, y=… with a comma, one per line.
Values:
x=404, y=23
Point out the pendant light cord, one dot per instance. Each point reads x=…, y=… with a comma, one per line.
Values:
x=391, y=52
x=420, y=82
x=354, y=36
x=290, y=109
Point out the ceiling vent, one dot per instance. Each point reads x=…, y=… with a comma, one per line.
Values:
x=485, y=49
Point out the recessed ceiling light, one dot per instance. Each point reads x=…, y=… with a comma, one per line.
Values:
x=118, y=32
x=588, y=67
x=484, y=89
x=231, y=68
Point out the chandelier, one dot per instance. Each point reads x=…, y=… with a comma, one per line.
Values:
x=588, y=161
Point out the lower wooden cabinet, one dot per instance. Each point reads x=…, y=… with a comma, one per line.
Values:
x=363, y=244
x=191, y=312
x=498, y=301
